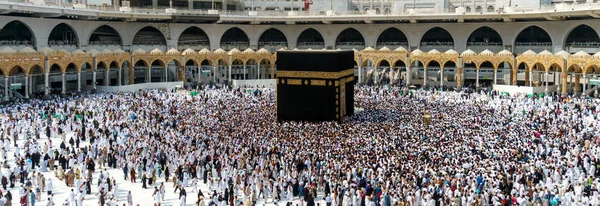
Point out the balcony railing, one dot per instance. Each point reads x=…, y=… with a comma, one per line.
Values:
x=392, y=12
x=14, y=42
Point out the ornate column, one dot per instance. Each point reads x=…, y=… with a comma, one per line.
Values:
x=514, y=76
x=200, y=73
x=94, y=79
x=182, y=75
x=107, y=77
x=572, y=82
x=6, y=89
x=78, y=81
x=166, y=73
x=64, y=83
x=424, y=76
x=229, y=67
x=27, y=86
x=477, y=77
x=408, y=72
x=119, y=77
x=557, y=81
x=149, y=75
x=496, y=76
x=442, y=77
x=46, y=77
x=131, y=74
x=459, y=83
x=564, y=83
x=258, y=71
x=531, y=78
x=94, y=68
x=244, y=73
x=214, y=73
x=527, y=77
x=359, y=69
x=30, y=92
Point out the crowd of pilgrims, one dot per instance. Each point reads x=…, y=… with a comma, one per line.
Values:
x=478, y=149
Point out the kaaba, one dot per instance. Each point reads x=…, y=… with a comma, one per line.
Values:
x=315, y=85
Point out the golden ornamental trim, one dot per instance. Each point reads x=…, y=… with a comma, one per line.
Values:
x=317, y=82
x=349, y=79
x=294, y=82
x=315, y=75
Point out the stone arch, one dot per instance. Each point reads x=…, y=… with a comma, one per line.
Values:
x=205, y=62
x=396, y=38
x=484, y=35
x=191, y=62
x=22, y=34
x=554, y=68
x=158, y=62
x=418, y=63
x=234, y=37
x=582, y=34
x=382, y=63
x=16, y=70
x=55, y=69
x=310, y=38
x=533, y=34
x=398, y=63
x=273, y=37
x=264, y=62
x=574, y=68
x=105, y=35
x=251, y=61
x=449, y=64
x=437, y=35
x=85, y=66
x=71, y=68
x=537, y=66
x=37, y=70
x=487, y=64
x=193, y=37
x=435, y=64
x=478, y=9
x=350, y=37
x=221, y=62
x=592, y=69
x=141, y=63
x=63, y=34
x=149, y=35
x=114, y=65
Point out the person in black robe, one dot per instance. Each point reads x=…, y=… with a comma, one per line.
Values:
x=88, y=187
x=144, y=179
x=308, y=197
x=205, y=175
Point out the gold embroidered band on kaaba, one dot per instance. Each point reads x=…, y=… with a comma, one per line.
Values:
x=315, y=75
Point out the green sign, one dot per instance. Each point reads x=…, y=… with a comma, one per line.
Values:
x=595, y=82
x=505, y=94
x=193, y=93
x=15, y=86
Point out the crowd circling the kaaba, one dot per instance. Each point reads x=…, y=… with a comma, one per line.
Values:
x=222, y=146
